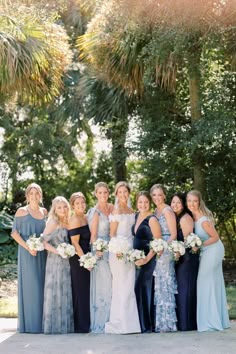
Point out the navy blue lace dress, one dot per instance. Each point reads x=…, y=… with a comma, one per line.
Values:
x=144, y=283
x=80, y=278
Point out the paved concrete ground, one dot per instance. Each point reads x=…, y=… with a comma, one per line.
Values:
x=171, y=343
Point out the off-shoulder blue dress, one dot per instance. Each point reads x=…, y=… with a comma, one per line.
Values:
x=31, y=275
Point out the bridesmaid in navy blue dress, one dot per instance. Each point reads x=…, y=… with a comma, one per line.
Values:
x=146, y=228
x=186, y=268
x=79, y=235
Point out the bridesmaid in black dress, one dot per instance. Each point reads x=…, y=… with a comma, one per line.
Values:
x=186, y=268
x=146, y=228
x=79, y=235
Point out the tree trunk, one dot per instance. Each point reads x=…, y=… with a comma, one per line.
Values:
x=119, y=154
x=195, y=104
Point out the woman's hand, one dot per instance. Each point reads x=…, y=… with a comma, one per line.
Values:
x=99, y=254
x=32, y=252
x=140, y=262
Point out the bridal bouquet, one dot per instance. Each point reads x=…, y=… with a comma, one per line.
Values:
x=134, y=255
x=158, y=246
x=177, y=249
x=35, y=243
x=192, y=241
x=65, y=250
x=119, y=246
x=88, y=261
x=100, y=245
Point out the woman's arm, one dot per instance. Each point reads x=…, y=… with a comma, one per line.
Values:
x=156, y=232
x=94, y=227
x=17, y=237
x=186, y=223
x=211, y=231
x=171, y=223
x=50, y=227
x=74, y=223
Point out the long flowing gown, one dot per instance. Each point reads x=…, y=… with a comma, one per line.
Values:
x=57, y=310
x=81, y=282
x=165, y=285
x=100, y=281
x=124, y=313
x=212, y=313
x=31, y=274
x=144, y=277
x=186, y=300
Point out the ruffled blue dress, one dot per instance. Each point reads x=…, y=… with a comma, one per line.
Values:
x=31, y=275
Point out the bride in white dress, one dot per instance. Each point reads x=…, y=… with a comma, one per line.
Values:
x=124, y=313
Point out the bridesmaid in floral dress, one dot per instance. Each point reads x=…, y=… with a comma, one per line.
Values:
x=165, y=280
x=57, y=308
x=100, y=287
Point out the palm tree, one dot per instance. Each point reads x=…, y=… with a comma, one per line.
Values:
x=131, y=42
x=34, y=53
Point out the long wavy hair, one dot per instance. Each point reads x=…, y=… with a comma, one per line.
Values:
x=202, y=206
x=52, y=213
x=182, y=198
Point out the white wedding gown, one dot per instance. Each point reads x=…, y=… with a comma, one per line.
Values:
x=124, y=313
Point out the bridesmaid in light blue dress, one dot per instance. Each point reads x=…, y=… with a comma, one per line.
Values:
x=100, y=290
x=31, y=264
x=165, y=279
x=212, y=313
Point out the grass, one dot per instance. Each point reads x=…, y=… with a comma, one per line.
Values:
x=8, y=307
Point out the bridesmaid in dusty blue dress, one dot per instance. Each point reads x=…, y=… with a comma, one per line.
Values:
x=31, y=264
x=165, y=280
x=186, y=268
x=146, y=228
x=212, y=313
x=79, y=235
x=57, y=308
x=100, y=288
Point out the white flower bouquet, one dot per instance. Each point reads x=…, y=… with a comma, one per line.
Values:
x=100, y=245
x=65, y=250
x=177, y=249
x=35, y=243
x=88, y=261
x=119, y=246
x=193, y=241
x=158, y=246
x=135, y=255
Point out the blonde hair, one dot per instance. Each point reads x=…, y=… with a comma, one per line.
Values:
x=99, y=185
x=38, y=189
x=202, y=206
x=158, y=186
x=74, y=196
x=122, y=184
x=52, y=213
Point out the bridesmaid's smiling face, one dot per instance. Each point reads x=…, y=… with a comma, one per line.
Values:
x=79, y=205
x=176, y=205
x=102, y=194
x=143, y=204
x=33, y=196
x=61, y=210
x=192, y=203
x=158, y=196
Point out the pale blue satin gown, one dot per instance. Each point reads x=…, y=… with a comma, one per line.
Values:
x=212, y=313
x=100, y=286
